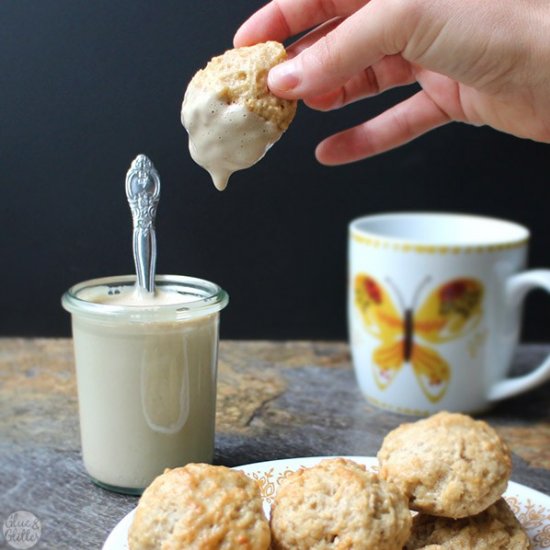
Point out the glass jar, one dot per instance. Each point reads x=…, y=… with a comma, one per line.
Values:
x=146, y=375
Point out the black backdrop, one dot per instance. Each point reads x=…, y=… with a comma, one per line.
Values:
x=87, y=85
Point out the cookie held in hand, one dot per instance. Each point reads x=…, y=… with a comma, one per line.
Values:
x=230, y=114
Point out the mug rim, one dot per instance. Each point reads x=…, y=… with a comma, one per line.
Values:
x=371, y=236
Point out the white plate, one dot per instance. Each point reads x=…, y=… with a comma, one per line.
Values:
x=531, y=507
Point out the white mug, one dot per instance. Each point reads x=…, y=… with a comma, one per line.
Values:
x=434, y=310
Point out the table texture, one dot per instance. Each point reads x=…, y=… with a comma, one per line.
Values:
x=275, y=400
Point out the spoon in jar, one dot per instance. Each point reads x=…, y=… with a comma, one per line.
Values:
x=143, y=191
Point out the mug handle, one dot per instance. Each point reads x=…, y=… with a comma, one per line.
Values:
x=517, y=288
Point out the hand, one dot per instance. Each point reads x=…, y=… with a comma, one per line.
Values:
x=476, y=61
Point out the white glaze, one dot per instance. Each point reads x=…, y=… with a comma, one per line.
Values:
x=224, y=138
x=127, y=296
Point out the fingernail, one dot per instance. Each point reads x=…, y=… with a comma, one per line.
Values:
x=284, y=77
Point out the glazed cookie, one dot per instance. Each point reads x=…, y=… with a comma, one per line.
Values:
x=229, y=112
x=448, y=464
x=338, y=504
x=494, y=529
x=200, y=507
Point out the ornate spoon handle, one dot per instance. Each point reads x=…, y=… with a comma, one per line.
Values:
x=143, y=190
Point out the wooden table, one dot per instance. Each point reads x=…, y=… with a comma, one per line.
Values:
x=275, y=400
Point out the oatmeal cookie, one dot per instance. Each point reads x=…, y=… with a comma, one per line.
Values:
x=338, y=504
x=448, y=464
x=200, y=507
x=494, y=529
x=230, y=114
x=240, y=76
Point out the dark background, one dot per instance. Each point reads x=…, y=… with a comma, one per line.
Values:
x=87, y=85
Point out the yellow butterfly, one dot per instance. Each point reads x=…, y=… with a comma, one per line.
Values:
x=450, y=311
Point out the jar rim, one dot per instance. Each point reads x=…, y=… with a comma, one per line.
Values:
x=211, y=298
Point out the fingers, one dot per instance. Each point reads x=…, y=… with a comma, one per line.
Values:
x=281, y=19
x=376, y=30
x=389, y=72
x=311, y=37
x=398, y=125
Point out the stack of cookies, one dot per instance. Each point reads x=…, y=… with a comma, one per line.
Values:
x=453, y=470
x=449, y=469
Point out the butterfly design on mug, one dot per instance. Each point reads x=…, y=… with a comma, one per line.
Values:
x=409, y=335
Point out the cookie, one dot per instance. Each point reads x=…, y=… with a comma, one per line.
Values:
x=496, y=528
x=338, y=504
x=448, y=464
x=240, y=76
x=230, y=114
x=200, y=507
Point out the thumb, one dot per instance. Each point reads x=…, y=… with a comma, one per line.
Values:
x=376, y=30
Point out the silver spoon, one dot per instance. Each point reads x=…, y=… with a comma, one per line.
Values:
x=143, y=191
